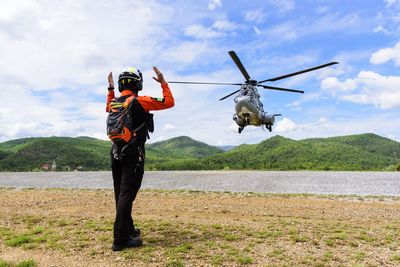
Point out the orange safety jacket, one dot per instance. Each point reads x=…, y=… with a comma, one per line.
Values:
x=148, y=103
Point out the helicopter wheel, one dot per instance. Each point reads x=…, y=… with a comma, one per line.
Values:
x=269, y=127
x=240, y=129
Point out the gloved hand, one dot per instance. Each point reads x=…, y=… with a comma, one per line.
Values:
x=160, y=76
x=110, y=81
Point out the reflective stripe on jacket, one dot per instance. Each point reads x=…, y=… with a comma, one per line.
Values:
x=148, y=103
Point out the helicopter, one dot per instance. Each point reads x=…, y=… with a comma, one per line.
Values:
x=249, y=109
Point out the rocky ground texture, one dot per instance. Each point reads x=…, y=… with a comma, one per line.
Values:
x=58, y=227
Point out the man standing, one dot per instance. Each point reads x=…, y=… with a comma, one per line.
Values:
x=128, y=151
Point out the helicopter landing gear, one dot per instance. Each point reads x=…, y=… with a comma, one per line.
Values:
x=269, y=127
x=240, y=129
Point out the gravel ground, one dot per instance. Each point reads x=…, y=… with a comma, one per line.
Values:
x=180, y=228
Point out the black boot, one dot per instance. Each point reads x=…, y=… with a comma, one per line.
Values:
x=135, y=233
x=130, y=243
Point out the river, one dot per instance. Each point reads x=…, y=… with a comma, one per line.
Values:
x=312, y=182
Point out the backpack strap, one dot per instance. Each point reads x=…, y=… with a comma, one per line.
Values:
x=133, y=139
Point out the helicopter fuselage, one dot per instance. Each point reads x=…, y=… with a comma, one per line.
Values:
x=249, y=110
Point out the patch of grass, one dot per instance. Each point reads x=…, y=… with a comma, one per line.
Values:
x=267, y=234
x=395, y=257
x=180, y=249
x=340, y=236
x=26, y=263
x=328, y=256
x=38, y=230
x=298, y=239
x=329, y=242
x=359, y=256
x=366, y=237
x=31, y=220
x=217, y=226
x=244, y=260
x=62, y=222
x=19, y=240
x=230, y=237
x=4, y=263
x=175, y=263
x=217, y=260
x=145, y=254
x=211, y=244
x=277, y=253
x=5, y=232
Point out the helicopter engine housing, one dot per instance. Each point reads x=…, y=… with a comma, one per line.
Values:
x=268, y=119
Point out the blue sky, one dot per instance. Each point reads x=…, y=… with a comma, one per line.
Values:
x=55, y=57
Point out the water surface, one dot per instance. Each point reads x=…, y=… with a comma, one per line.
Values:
x=313, y=182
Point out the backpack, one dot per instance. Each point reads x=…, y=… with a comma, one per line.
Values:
x=119, y=121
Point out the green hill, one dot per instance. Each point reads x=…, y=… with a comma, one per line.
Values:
x=178, y=153
x=353, y=152
x=183, y=147
x=31, y=153
x=358, y=152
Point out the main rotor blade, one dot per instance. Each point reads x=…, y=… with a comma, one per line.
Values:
x=229, y=95
x=239, y=65
x=299, y=72
x=280, y=89
x=207, y=83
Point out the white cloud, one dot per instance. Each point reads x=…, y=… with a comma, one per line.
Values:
x=386, y=54
x=213, y=4
x=322, y=9
x=285, y=125
x=382, y=124
x=256, y=30
x=283, y=5
x=335, y=87
x=201, y=32
x=285, y=31
x=387, y=20
x=57, y=61
x=390, y=3
x=219, y=28
x=382, y=29
x=367, y=88
x=187, y=52
x=256, y=16
x=168, y=127
x=290, y=30
x=297, y=104
x=67, y=51
x=224, y=25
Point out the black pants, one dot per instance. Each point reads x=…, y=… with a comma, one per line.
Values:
x=127, y=175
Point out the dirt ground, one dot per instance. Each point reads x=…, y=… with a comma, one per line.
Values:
x=74, y=228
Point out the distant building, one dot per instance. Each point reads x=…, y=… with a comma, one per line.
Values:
x=79, y=168
x=53, y=166
x=45, y=167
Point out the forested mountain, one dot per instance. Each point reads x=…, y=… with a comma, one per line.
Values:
x=357, y=152
x=353, y=152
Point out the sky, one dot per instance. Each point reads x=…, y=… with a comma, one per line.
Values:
x=55, y=57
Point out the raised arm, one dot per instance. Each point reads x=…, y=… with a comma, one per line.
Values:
x=152, y=103
x=111, y=93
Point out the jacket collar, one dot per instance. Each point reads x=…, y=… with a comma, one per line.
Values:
x=127, y=93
